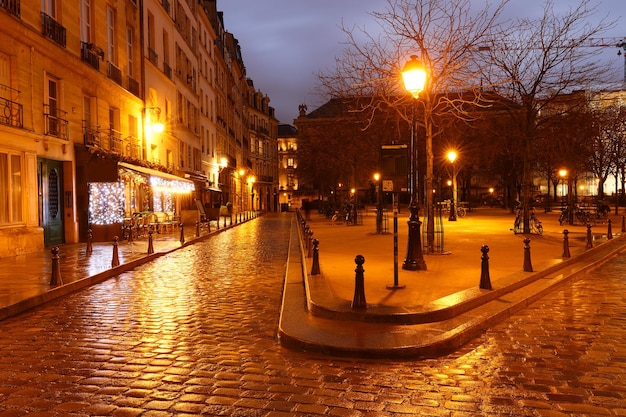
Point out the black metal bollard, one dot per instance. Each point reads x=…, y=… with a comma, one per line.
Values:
x=55, y=278
x=566, y=244
x=315, y=268
x=609, y=231
x=528, y=267
x=197, y=228
x=358, y=302
x=623, y=224
x=150, y=246
x=89, y=249
x=182, y=234
x=305, y=236
x=589, y=238
x=310, y=244
x=116, y=258
x=485, y=280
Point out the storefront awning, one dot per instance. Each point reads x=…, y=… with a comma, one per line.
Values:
x=162, y=180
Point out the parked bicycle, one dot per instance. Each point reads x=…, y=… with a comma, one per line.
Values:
x=535, y=224
x=460, y=210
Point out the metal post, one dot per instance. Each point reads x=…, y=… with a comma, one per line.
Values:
x=414, y=260
x=315, y=268
x=197, y=228
x=116, y=259
x=55, y=278
x=310, y=244
x=623, y=224
x=358, y=302
x=182, y=234
x=396, y=285
x=589, y=238
x=566, y=253
x=150, y=246
x=528, y=267
x=89, y=250
x=609, y=232
x=485, y=280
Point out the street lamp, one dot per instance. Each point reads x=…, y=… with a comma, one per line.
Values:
x=562, y=174
x=414, y=77
x=452, y=158
x=379, y=208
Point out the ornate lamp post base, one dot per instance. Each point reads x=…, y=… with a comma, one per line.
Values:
x=414, y=260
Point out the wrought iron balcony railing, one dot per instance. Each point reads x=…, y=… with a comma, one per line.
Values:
x=11, y=6
x=55, y=122
x=53, y=29
x=91, y=135
x=114, y=73
x=11, y=113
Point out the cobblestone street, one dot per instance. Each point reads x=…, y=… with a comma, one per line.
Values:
x=194, y=333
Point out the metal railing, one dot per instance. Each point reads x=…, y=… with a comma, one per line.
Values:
x=114, y=73
x=90, y=54
x=133, y=86
x=53, y=29
x=11, y=113
x=91, y=135
x=11, y=6
x=55, y=124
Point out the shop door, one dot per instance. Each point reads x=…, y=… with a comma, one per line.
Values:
x=50, y=182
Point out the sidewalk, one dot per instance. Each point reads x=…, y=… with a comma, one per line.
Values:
x=25, y=280
x=441, y=307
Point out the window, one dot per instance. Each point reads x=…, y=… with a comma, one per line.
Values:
x=49, y=7
x=110, y=32
x=52, y=92
x=85, y=21
x=10, y=186
x=129, y=51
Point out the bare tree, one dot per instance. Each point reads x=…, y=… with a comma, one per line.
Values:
x=445, y=34
x=535, y=62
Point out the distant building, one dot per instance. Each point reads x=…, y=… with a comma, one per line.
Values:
x=287, y=163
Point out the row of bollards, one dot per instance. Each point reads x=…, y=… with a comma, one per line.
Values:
x=311, y=246
x=56, y=279
x=359, y=302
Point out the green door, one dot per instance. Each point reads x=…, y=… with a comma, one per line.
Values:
x=51, y=184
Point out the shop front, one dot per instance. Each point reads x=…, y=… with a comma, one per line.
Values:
x=140, y=197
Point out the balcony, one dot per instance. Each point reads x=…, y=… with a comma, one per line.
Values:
x=114, y=73
x=132, y=149
x=53, y=29
x=133, y=86
x=11, y=6
x=167, y=70
x=115, y=141
x=91, y=135
x=55, y=124
x=91, y=54
x=153, y=57
x=11, y=113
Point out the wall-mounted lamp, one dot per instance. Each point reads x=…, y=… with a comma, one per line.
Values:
x=154, y=120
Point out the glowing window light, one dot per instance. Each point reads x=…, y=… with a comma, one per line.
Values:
x=106, y=203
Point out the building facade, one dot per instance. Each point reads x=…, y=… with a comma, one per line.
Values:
x=111, y=110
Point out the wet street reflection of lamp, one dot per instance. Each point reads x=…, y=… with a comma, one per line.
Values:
x=414, y=77
x=452, y=158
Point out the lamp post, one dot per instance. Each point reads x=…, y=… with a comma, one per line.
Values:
x=452, y=158
x=562, y=174
x=379, y=208
x=414, y=77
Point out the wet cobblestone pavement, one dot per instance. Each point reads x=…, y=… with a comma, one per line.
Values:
x=194, y=333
